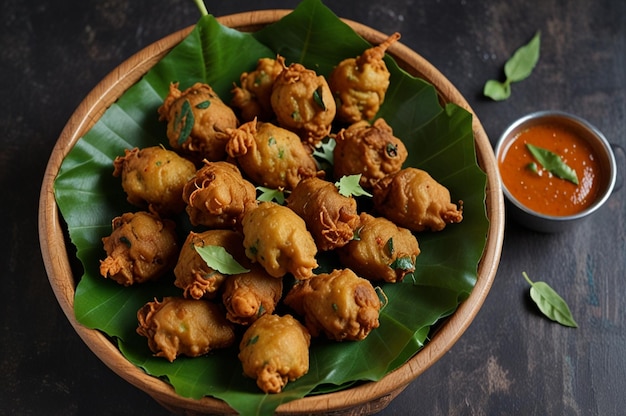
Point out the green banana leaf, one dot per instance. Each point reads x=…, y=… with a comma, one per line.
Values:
x=439, y=140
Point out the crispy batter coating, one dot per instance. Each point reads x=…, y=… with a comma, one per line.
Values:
x=371, y=150
x=382, y=252
x=413, y=199
x=303, y=103
x=271, y=156
x=340, y=304
x=275, y=350
x=253, y=96
x=360, y=84
x=330, y=217
x=178, y=326
x=153, y=178
x=141, y=247
x=248, y=296
x=217, y=196
x=193, y=275
x=197, y=120
x=277, y=238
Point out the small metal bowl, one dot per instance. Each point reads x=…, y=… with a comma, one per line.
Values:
x=603, y=149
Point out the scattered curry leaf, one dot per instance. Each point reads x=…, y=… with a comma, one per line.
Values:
x=317, y=97
x=349, y=186
x=187, y=120
x=550, y=303
x=217, y=258
x=203, y=105
x=517, y=68
x=553, y=163
x=269, y=194
x=323, y=153
x=403, y=263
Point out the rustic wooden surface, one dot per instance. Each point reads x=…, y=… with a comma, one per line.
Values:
x=510, y=361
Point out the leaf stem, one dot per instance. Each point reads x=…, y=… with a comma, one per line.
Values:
x=201, y=6
x=527, y=278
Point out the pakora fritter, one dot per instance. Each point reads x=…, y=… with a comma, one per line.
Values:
x=217, y=196
x=275, y=350
x=197, y=120
x=360, y=84
x=277, y=238
x=193, y=274
x=270, y=156
x=413, y=199
x=371, y=150
x=141, y=247
x=330, y=217
x=153, y=178
x=253, y=96
x=382, y=252
x=248, y=296
x=340, y=304
x=303, y=103
x=178, y=326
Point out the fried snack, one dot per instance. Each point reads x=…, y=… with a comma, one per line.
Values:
x=303, y=103
x=360, y=84
x=330, y=217
x=248, y=296
x=217, y=196
x=197, y=120
x=271, y=156
x=193, y=275
x=153, y=178
x=141, y=247
x=178, y=326
x=253, y=97
x=371, y=150
x=382, y=252
x=275, y=350
x=413, y=199
x=277, y=238
x=340, y=304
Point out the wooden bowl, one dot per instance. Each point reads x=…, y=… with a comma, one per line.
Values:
x=366, y=398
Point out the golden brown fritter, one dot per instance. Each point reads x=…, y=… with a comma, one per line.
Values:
x=382, y=252
x=253, y=96
x=370, y=150
x=339, y=304
x=360, y=84
x=197, y=120
x=193, y=275
x=330, y=217
x=413, y=199
x=141, y=247
x=275, y=350
x=277, y=238
x=271, y=156
x=217, y=196
x=153, y=178
x=178, y=326
x=248, y=296
x=303, y=103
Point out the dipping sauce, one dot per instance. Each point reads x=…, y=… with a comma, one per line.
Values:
x=541, y=191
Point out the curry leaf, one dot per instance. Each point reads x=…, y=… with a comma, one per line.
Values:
x=349, y=186
x=553, y=163
x=269, y=194
x=550, y=303
x=517, y=68
x=219, y=259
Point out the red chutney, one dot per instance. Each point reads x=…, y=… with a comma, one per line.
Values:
x=541, y=191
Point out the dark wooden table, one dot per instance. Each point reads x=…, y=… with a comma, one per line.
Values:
x=511, y=360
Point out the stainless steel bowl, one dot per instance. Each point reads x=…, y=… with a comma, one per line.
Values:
x=547, y=223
